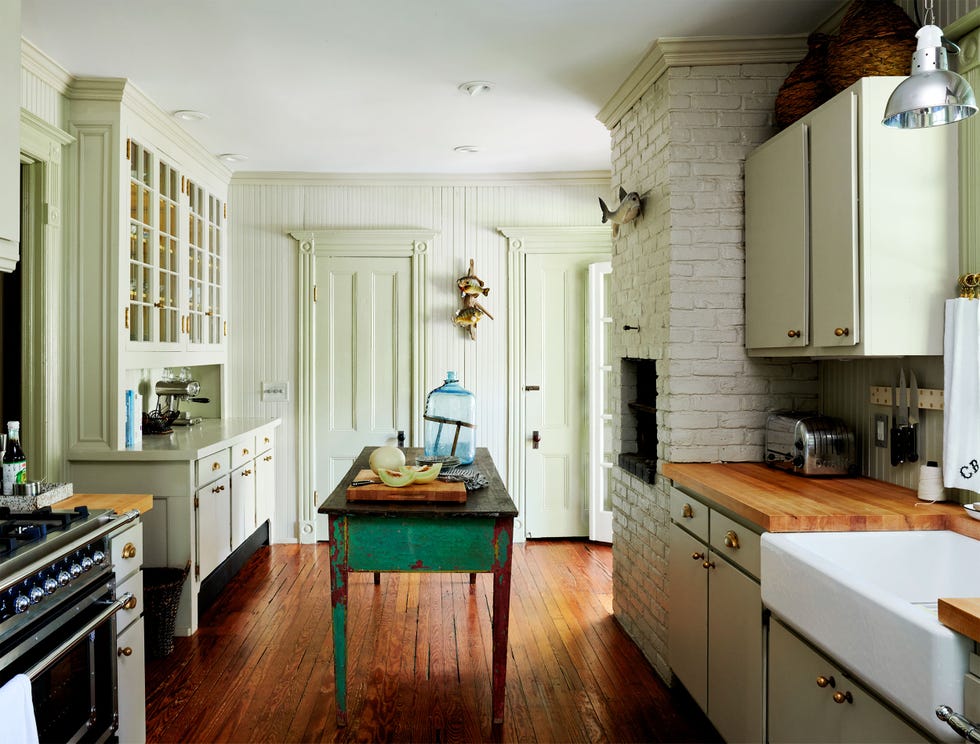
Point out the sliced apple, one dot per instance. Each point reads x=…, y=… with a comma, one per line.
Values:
x=423, y=473
x=395, y=478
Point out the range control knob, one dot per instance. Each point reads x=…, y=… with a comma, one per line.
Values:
x=98, y=557
x=50, y=585
x=36, y=594
x=64, y=578
x=87, y=563
x=75, y=570
x=798, y=461
x=21, y=603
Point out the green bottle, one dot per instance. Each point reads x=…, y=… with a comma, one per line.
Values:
x=14, y=459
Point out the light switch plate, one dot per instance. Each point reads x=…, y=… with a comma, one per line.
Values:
x=881, y=430
x=275, y=392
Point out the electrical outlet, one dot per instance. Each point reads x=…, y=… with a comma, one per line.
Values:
x=275, y=392
x=881, y=430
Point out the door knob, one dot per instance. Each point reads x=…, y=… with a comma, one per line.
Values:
x=401, y=439
x=535, y=438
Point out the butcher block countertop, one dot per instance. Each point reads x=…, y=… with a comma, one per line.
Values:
x=119, y=502
x=778, y=501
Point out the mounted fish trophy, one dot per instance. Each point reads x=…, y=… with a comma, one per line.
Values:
x=470, y=288
x=630, y=207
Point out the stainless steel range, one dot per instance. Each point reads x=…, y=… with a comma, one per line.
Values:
x=57, y=617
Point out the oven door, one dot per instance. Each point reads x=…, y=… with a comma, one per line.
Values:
x=70, y=660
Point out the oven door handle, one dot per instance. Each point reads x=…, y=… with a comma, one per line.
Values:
x=114, y=606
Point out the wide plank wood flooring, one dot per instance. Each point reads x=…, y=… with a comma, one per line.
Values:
x=260, y=668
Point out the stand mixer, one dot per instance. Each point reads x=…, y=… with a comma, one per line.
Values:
x=169, y=395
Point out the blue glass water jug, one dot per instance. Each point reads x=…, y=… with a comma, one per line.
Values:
x=450, y=414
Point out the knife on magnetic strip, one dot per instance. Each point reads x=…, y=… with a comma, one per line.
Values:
x=913, y=436
x=895, y=435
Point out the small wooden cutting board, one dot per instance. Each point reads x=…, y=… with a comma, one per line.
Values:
x=437, y=490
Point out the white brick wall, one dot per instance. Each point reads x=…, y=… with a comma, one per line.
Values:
x=678, y=275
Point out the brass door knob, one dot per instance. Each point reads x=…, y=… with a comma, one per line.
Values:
x=731, y=540
x=708, y=564
x=842, y=332
x=124, y=651
x=824, y=681
x=130, y=604
x=793, y=334
x=698, y=556
x=843, y=697
x=687, y=512
x=129, y=550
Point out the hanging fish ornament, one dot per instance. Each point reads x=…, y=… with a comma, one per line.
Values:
x=468, y=317
x=630, y=207
x=472, y=285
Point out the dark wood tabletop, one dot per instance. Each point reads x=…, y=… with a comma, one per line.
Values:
x=491, y=501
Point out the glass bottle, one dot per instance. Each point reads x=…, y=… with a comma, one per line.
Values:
x=14, y=459
x=450, y=413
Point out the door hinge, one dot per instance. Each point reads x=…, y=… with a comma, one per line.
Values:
x=226, y=210
x=314, y=293
x=197, y=570
x=197, y=502
x=129, y=147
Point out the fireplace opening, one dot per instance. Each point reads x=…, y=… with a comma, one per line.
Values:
x=638, y=451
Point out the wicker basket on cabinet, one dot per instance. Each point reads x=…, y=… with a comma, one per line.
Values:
x=804, y=88
x=876, y=37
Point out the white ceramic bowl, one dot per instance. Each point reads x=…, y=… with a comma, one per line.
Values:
x=973, y=509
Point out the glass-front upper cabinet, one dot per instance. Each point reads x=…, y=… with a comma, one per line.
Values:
x=206, y=323
x=153, y=315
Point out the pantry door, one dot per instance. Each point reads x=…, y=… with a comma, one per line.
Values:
x=363, y=359
x=552, y=438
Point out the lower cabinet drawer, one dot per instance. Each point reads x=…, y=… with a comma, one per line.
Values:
x=130, y=613
x=126, y=549
x=131, y=679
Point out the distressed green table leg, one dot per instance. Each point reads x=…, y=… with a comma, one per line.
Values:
x=503, y=537
x=339, y=574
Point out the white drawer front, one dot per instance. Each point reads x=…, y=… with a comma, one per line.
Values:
x=129, y=614
x=242, y=451
x=213, y=466
x=688, y=512
x=126, y=550
x=737, y=543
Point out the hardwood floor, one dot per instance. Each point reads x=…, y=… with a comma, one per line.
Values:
x=260, y=669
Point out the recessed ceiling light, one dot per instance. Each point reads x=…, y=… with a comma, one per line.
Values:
x=476, y=87
x=189, y=115
x=466, y=148
x=232, y=157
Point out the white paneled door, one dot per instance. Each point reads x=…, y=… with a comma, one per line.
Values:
x=600, y=420
x=363, y=360
x=556, y=401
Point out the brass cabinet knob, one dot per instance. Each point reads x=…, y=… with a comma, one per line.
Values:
x=130, y=604
x=215, y=466
x=793, y=334
x=267, y=458
x=697, y=556
x=124, y=651
x=244, y=451
x=246, y=473
x=843, y=697
x=731, y=540
x=266, y=440
x=824, y=681
x=842, y=332
x=687, y=512
x=217, y=489
x=708, y=564
x=129, y=550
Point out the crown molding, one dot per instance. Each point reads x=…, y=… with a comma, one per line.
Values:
x=287, y=178
x=122, y=91
x=39, y=64
x=698, y=51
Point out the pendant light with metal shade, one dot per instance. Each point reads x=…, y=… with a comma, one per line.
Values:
x=933, y=95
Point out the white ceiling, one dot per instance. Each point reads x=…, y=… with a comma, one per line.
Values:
x=371, y=87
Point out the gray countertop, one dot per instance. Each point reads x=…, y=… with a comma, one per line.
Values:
x=185, y=443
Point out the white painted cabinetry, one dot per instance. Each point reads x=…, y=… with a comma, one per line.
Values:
x=812, y=699
x=715, y=628
x=9, y=134
x=149, y=268
x=850, y=233
x=204, y=510
x=126, y=549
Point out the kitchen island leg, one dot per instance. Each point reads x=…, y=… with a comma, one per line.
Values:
x=503, y=549
x=339, y=574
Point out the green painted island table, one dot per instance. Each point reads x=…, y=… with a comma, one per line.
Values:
x=473, y=537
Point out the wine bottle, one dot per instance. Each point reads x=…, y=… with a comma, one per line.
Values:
x=14, y=459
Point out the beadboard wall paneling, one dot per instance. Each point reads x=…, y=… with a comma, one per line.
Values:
x=263, y=277
x=43, y=83
x=845, y=394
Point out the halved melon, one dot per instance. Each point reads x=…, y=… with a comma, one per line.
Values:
x=423, y=473
x=395, y=478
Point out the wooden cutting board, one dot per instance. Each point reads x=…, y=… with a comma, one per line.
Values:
x=437, y=490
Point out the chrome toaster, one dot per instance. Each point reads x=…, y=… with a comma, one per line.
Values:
x=809, y=444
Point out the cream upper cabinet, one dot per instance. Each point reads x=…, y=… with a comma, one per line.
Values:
x=9, y=134
x=850, y=232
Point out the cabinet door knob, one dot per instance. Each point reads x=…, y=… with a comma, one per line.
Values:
x=697, y=556
x=843, y=697
x=687, y=512
x=267, y=458
x=708, y=564
x=129, y=550
x=124, y=651
x=130, y=604
x=244, y=451
x=215, y=466
x=793, y=334
x=731, y=540
x=824, y=681
x=842, y=332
